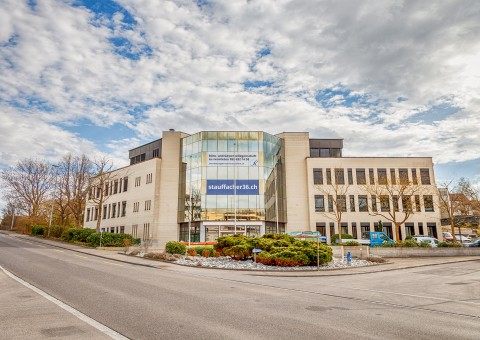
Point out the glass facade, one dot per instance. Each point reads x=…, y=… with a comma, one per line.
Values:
x=231, y=176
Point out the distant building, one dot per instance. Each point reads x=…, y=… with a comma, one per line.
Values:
x=252, y=183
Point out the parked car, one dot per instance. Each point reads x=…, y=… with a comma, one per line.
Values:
x=474, y=243
x=463, y=238
x=433, y=242
x=447, y=237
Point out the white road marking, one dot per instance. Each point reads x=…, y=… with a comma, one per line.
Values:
x=102, y=328
x=113, y=263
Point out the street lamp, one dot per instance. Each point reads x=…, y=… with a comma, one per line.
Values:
x=191, y=206
x=276, y=193
x=53, y=199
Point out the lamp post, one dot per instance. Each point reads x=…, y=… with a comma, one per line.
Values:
x=235, y=187
x=191, y=206
x=276, y=194
x=53, y=199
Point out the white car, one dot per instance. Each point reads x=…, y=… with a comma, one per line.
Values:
x=433, y=242
x=463, y=238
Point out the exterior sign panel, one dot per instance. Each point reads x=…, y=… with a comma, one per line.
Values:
x=232, y=158
x=226, y=187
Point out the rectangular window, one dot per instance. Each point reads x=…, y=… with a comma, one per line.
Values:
x=330, y=203
x=98, y=191
x=105, y=193
x=406, y=203
x=354, y=230
x=122, y=229
x=156, y=153
x=395, y=203
x=124, y=208
x=136, y=206
x=88, y=215
x=382, y=176
x=344, y=228
x=146, y=232
x=96, y=214
x=324, y=152
x=361, y=178
x=319, y=203
x=339, y=176
x=403, y=175
x=314, y=152
x=112, y=230
x=125, y=183
x=372, y=178
x=352, y=203
x=350, y=176
x=428, y=203
x=329, y=176
x=374, y=203
x=425, y=176
x=317, y=176
x=114, y=210
x=134, y=230
x=115, y=186
x=342, y=202
x=393, y=177
x=149, y=178
x=104, y=212
x=148, y=204
x=137, y=181
x=417, y=203
x=414, y=176
x=362, y=203
x=384, y=203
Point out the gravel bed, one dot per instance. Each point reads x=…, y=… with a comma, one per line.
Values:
x=228, y=263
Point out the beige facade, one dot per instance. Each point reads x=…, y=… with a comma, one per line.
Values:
x=149, y=199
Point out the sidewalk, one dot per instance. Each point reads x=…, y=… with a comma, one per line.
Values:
x=392, y=264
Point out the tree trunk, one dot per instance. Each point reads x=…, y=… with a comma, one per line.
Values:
x=452, y=225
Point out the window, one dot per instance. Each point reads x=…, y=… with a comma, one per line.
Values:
x=124, y=208
x=106, y=189
x=362, y=203
x=344, y=228
x=350, y=176
x=112, y=230
x=148, y=204
x=406, y=203
x=414, y=176
x=319, y=203
x=104, y=212
x=354, y=230
x=98, y=191
x=146, y=232
x=134, y=230
x=342, y=202
x=125, y=183
x=361, y=178
x=382, y=176
x=317, y=176
x=156, y=153
x=417, y=204
x=425, y=176
x=339, y=176
x=88, y=215
x=114, y=210
x=384, y=203
x=395, y=203
x=96, y=214
x=403, y=175
x=352, y=203
x=374, y=203
x=314, y=152
x=137, y=181
x=122, y=229
x=149, y=178
x=115, y=186
x=428, y=203
x=324, y=152
x=330, y=203
x=329, y=176
x=393, y=177
x=136, y=206
x=370, y=174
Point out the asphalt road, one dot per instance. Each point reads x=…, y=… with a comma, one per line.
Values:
x=171, y=302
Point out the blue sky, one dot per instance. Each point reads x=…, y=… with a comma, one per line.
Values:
x=101, y=77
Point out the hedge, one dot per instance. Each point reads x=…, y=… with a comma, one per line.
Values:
x=174, y=247
x=334, y=238
x=77, y=234
x=39, y=230
x=110, y=240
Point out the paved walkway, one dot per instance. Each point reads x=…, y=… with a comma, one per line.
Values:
x=392, y=264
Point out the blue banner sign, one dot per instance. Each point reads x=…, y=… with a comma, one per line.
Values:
x=227, y=187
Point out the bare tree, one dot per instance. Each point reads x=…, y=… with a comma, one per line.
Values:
x=336, y=192
x=27, y=185
x=449, y=205
x=98, y=184
x=391, y=194
x=74, y=173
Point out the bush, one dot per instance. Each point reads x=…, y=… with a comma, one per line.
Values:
x=351, y=244
x=192, y=252
x=174, y=247
x=449, y=244
x=239, y=251
x=39, y=230
x=78, y=234
x=206, y=252
x=204, y=249
x=56, y=231
x=344, y=236
x=110, y=240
